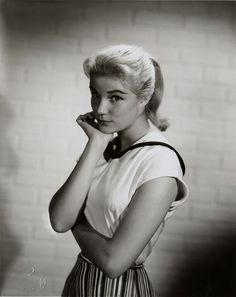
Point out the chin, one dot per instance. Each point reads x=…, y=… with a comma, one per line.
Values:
x=106, y=130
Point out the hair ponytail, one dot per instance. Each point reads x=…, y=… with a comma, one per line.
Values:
x=155, y=101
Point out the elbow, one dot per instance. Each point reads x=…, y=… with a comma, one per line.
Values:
x=57, y=226
x=108, y=266
x=117, y=264
x=113, y=264
x=113, y=269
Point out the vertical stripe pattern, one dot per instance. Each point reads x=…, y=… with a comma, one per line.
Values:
x=87, y=280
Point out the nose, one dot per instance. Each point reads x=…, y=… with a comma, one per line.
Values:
x=102, y=107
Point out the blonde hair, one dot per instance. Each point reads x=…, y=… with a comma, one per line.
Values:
x=137, y=68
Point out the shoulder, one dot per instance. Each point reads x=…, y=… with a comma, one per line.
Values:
x=159, y=161
x=160, y=156
x=160, y=147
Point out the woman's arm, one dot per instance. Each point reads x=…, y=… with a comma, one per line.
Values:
x=68, y=200
x=144, y=215
x=66, y=205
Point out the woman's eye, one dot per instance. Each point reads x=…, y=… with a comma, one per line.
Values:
x=116, y=98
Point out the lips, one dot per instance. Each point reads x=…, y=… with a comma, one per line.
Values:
x=101, y=121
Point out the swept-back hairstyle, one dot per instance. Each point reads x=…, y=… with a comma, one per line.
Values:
x=137, y=69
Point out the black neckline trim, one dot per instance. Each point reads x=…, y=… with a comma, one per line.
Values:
x=110, y=153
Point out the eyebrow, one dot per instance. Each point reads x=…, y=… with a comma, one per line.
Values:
x=109, y=92
x=116, y=91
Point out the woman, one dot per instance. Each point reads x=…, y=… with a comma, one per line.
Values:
x=124, y=186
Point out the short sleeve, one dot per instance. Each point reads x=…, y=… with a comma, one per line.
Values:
x=161, y=161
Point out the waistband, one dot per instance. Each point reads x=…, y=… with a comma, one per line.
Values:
x=134, y=266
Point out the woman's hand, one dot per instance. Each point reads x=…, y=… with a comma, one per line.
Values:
x=90, y=127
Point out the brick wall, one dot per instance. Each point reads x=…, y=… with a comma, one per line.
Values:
x=43, y=90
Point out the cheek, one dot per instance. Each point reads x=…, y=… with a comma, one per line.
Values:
x=131, y=109
x=126, y=113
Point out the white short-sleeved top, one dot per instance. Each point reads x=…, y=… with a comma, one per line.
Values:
x=115, y=181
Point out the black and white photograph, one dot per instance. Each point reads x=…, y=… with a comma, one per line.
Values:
x=117, y=148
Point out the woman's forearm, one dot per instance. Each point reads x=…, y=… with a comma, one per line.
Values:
x=150, y=204
x=68, y=200
x=94, y=245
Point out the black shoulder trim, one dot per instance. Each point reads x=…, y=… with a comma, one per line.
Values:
x=109, y=153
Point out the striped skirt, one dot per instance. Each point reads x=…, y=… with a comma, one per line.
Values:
x=87, y=280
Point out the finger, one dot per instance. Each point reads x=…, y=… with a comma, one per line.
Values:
x=90, y=116
x=83, y=124
x=87, y=117
x=79, y=122
x=81, y=117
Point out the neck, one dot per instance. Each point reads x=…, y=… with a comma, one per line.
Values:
x=130, y=135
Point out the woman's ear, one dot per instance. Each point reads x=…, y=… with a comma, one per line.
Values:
x=143, y=102
x=143, y=106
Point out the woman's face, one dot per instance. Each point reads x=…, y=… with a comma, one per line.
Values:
x=115, y=107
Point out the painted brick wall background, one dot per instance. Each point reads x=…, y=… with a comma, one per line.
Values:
x=43, y=90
